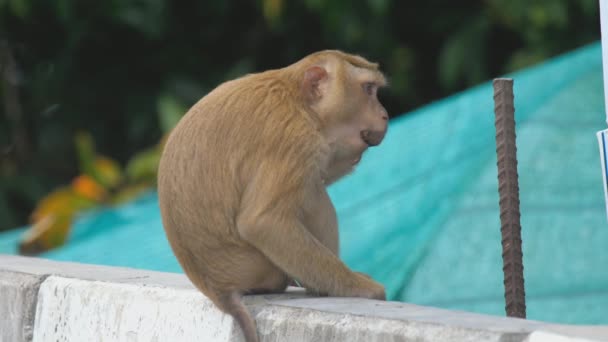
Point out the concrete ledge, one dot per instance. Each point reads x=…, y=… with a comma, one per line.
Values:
x=18, y=294
x=52, y=301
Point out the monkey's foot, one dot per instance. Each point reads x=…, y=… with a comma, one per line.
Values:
x=317, y=293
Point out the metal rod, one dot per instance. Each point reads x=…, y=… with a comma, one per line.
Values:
x=508, y=188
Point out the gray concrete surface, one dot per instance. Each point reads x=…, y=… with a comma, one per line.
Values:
x=44, y=300
x=18, y=297
x=45, y=267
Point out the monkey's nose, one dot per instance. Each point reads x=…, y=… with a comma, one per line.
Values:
x=372, y=138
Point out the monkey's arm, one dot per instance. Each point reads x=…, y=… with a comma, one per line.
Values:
x=269, y=221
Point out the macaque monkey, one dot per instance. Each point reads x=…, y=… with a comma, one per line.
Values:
x=242, y=180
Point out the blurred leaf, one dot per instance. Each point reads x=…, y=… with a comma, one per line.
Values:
x=170, y=110
x=379, y=7
x=63, y=8
x=400, y=66
x=541, y=16
x=52, y=219
x=20, y=8
x=524, y=58
x=63, y=201
x=272, y=10
x=462, y=55
x=88, y=188
x=50, y=232
x=86, y=152
x=103, y=170
x=589, y=7
x=143, y=166
x=108, y=171
x=314, y=4
x=352, y=29
x=144, y=15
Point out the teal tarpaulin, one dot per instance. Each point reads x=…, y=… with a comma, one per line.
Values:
x=421, y=212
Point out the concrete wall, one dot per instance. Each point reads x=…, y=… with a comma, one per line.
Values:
x=42, y=300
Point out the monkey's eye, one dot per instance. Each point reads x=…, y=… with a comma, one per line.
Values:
x=369, y=88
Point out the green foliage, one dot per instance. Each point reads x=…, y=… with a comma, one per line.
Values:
x=142, y=167
x=462, y=55
x=125, y=70
x=170, y=110
x=85, y=149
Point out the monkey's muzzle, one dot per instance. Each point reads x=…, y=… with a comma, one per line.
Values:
x=372, y=138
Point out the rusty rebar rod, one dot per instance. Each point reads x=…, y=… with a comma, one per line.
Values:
x=508, y=188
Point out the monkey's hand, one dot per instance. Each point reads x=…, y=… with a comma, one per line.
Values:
x=364, y=286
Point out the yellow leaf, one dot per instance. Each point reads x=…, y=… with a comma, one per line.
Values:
x=104, y=170
x=87, y=187
x=107, y=172
x=53, y=216
x=47, y=233
x=55, y=203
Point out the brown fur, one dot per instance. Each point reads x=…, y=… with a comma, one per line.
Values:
x=242, y=180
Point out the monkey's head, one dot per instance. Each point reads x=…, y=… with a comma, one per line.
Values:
x=342, y=90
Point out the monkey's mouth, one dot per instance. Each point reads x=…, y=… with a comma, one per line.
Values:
x=356, y=161
x=372, y=138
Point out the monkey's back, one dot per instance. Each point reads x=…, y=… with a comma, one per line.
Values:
x=208, y=160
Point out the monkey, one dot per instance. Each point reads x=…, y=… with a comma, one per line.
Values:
x=243, y=175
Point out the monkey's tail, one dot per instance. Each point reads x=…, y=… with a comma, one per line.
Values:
x=232, y=304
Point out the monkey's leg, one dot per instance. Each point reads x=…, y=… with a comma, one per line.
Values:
x=269, y=288
x=252, y=273
x=306, y=258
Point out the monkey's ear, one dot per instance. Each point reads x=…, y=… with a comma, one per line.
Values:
x=314, y=77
